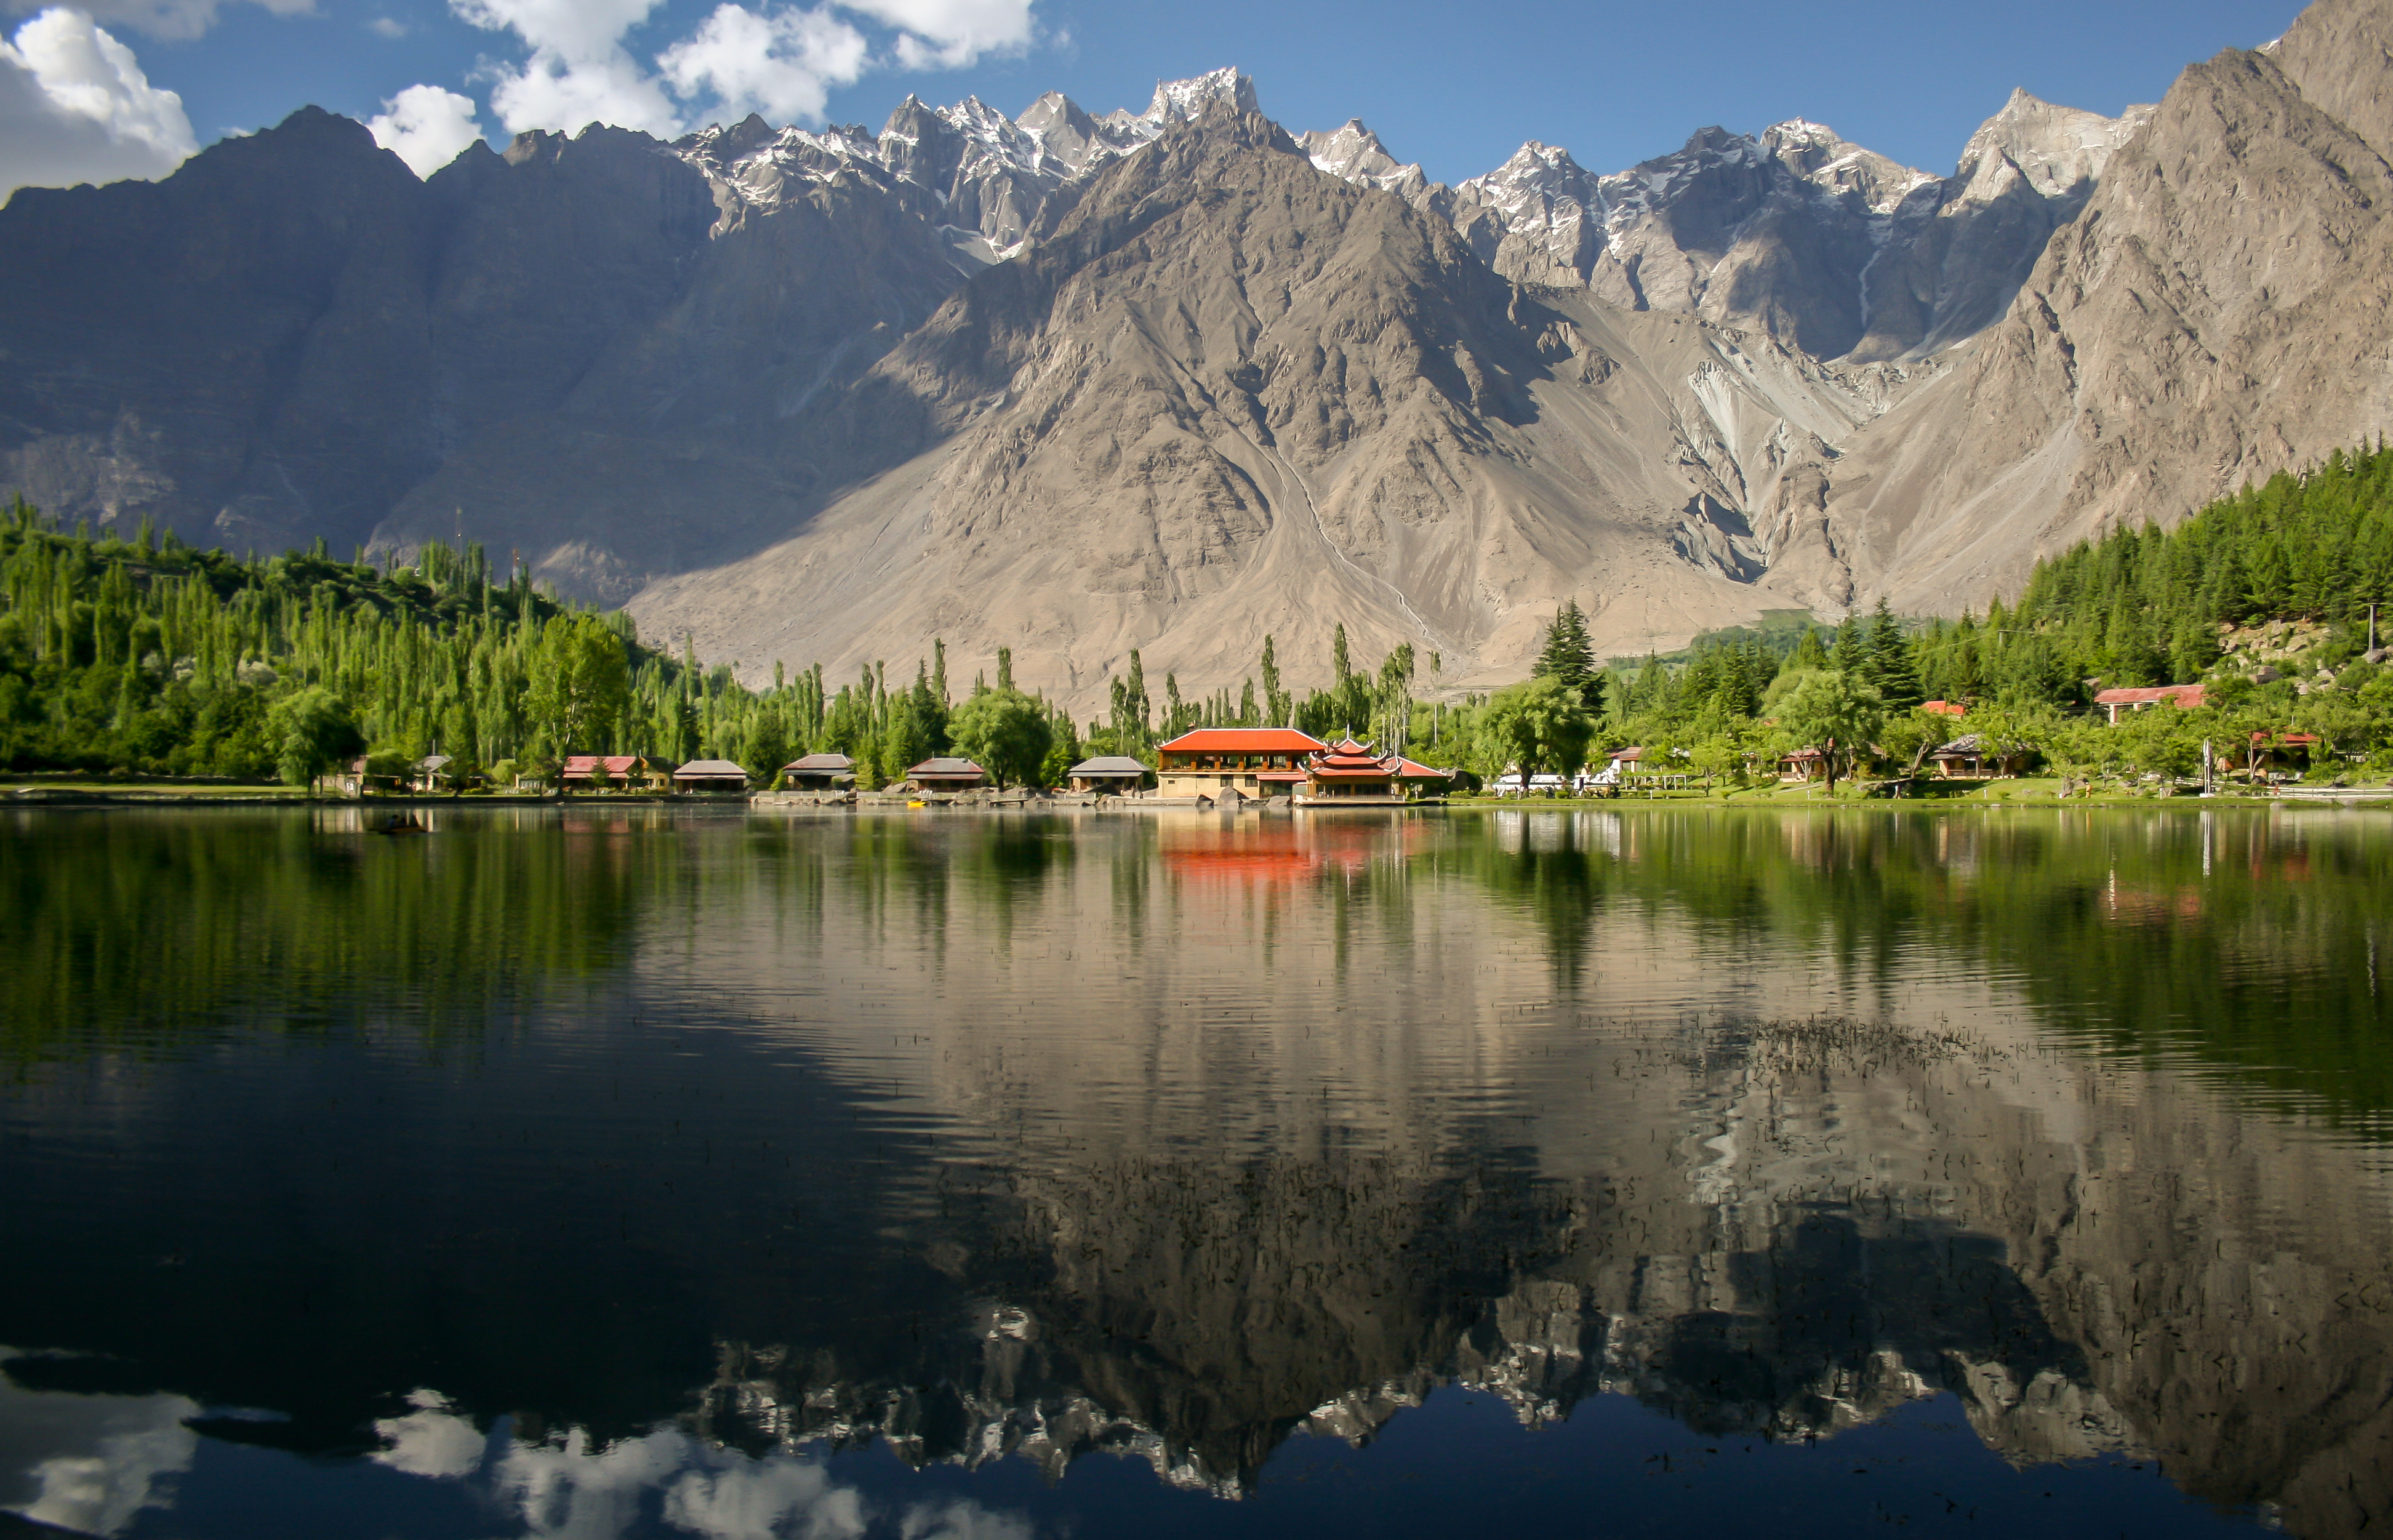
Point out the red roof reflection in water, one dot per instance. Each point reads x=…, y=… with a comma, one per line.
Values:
x=1273, y=851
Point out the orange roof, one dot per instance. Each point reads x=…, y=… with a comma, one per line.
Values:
x=1413, y=770
x=1243, y=740
x=2184, y=695
x=1944, y=708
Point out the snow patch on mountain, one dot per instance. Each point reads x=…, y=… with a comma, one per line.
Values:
x=984, y=177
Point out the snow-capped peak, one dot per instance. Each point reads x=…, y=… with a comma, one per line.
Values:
x=1185, y=100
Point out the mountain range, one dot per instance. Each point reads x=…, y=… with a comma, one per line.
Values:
x=1071, y=385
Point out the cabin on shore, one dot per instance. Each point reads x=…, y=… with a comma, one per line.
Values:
x=821, y=773
x=2272, y=754
x=1116, y=774
x=947, y=774
x=626, y=772
x=709, y=775
x=1258, y=762
x=1968, y=758
x=2185, y=697
x=1803, y=764
x=431, y=772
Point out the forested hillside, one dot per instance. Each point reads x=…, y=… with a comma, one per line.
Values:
x=152, y=657
x=148, y=656
x=2264, y=597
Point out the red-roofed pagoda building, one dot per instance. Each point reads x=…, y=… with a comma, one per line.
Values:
x=1258, y=762
x=1348, y=771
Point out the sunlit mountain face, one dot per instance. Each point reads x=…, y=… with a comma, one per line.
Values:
x=627, y=1173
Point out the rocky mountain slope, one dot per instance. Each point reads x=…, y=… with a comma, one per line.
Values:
x=1073, y=383
x=1226, y=395
x=1822, y=243
x=2219, y=312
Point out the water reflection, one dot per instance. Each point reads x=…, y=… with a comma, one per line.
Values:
x=629, y=1170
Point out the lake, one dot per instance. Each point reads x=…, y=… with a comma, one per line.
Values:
x=609, y=1172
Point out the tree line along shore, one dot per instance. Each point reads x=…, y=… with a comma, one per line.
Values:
x=150, y=657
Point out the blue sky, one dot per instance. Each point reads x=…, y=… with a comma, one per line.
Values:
x=1455, y=88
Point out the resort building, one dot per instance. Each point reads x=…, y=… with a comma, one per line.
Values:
x=947, y=774
x=1347, y=769
x=709, y=775
x=1968, y=758
x=2185, y=697
x=624, y=772
x=821, y=773
x=1110, y=772
x=1258, y=762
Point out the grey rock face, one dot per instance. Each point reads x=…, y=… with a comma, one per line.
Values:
x=1824, y=244
x=1226, y=395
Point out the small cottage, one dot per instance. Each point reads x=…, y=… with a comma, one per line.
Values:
x=947, y=774
x=623, y=772
x=1111, y=773
x=709, y=775
x=821, y=773
x=1968, y=758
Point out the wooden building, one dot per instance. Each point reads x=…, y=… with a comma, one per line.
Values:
x=1258, y=762
x=1109, y=773
x=947, y=774
x=709, y=775
x=1968, y=758
x=821, y=773
x=624, y=772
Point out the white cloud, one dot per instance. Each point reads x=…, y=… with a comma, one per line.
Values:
x=180, y=19
x=950, y=34
x=90, y=1463
x=781, y=60
x=384, y=26
x=782, y=65
x=75, y=107
x=431, y=1440
x=425, y=126
x=578, y=73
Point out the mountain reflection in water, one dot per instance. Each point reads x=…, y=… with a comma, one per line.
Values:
x=613, y=1172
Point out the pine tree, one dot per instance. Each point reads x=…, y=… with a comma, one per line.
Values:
x=1892, y=667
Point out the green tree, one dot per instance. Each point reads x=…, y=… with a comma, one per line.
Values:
x=1893, y=667
x=1569, y=656
x=312, y=731
x=1005, y=733
x=1835, y=712
x=580, y=683
x=1535, y=724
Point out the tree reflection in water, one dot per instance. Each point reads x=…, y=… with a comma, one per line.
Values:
x=624, y=1160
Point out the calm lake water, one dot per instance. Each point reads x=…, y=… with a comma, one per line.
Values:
x=1651, y=1171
